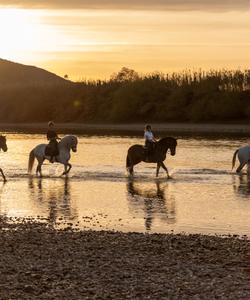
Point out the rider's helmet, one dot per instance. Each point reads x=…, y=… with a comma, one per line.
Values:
x=51, y=124
x=148, y=127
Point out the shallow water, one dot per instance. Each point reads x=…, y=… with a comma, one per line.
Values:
x=203, y=196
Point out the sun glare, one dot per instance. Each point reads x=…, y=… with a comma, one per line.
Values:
x=16, y=33
x=95, y=43
x=23, y=34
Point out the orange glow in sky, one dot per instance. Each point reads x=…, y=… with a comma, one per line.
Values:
x=94, y=43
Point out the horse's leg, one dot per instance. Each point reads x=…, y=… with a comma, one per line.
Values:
x=248, y=167
x=70, y=166
x=165, y=168
x=131, y=170
x=66, y=171
x=39, y=167
x=4, y=178
x=129, y=165
x=157, y=169
x=241, y=166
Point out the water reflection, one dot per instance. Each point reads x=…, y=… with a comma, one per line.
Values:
x=242, y=188
x=55, y=195
x=154, y=202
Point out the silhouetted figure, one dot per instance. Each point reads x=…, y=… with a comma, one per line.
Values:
x=149, y=141
x=52, y=137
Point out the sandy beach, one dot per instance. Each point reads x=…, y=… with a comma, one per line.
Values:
x=39, y=262
x=136, y=128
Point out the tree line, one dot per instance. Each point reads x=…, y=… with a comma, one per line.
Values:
x=211, y=96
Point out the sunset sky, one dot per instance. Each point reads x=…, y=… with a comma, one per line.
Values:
x=92, y=39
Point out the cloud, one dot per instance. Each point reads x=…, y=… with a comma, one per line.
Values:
x=171, y=5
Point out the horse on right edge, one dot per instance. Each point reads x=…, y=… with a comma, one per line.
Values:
x=243, y=154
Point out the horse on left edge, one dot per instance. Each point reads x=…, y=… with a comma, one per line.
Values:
x=4, y=147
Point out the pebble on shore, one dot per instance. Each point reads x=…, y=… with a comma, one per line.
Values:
x=40, y=262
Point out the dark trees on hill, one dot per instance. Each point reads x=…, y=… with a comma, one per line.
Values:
x=215, y=96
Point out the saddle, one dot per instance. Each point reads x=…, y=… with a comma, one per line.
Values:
x=51, y=150
x=149, y=150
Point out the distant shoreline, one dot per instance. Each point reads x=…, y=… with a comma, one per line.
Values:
x=131, y=129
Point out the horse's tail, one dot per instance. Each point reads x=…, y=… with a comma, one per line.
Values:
x=234, y=158
x=127, y=162
x=31, y=161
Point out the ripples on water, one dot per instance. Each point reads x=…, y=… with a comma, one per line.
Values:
x=203, y=196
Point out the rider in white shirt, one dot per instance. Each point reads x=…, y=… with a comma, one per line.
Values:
x=149, y=139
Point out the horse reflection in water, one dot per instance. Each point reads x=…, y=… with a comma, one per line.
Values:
x=243, y=187
x=55, y=197
x=154, y=203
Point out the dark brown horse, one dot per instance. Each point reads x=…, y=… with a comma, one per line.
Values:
x=4, y=147
x=137, y=154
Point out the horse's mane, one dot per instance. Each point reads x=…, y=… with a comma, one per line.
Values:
x=67, y=137
x=167, y=140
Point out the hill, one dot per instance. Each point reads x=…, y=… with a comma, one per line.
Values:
x=14, y=74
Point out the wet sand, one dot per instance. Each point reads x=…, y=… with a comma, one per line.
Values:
x=132, y=128
x=39, y=262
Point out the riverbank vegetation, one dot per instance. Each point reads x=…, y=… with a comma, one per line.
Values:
x=213, y=96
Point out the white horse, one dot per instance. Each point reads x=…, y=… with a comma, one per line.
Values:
x=243, y=156
x=69, y=142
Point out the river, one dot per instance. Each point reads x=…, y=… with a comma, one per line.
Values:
x=203, y=196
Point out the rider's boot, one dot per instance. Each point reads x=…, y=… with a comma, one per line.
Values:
x=51, y=159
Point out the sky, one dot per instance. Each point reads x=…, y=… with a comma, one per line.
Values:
x=95, y=38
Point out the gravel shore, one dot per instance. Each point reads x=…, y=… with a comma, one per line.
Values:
x=39, y=262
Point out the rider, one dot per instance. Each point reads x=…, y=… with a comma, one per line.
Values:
x=149, y=140
x=52, y=137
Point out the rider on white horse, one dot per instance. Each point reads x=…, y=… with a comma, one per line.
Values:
x=52, y=148
x=68, y=143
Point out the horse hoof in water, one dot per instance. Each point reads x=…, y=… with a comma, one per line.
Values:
x=130, y=175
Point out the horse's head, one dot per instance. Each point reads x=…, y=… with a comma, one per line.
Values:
x=3, y=144
x=74, y=143
x=169, y=143
x=172, y=147
x=70, y=142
